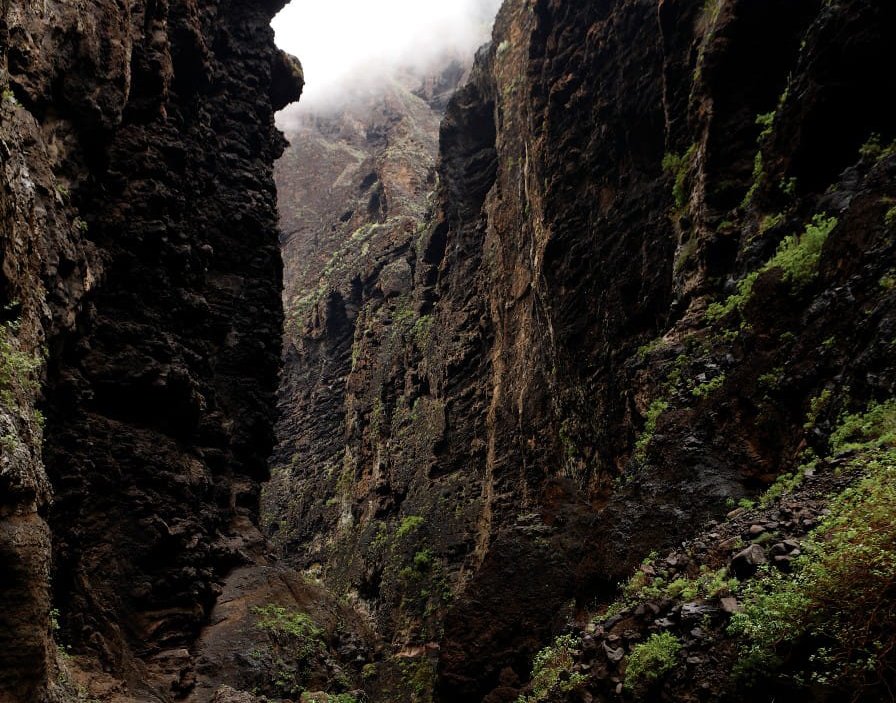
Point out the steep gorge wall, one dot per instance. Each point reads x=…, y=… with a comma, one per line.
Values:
x=141, y=295
x=550, y=400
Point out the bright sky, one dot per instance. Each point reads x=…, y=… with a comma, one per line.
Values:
x=355, y=40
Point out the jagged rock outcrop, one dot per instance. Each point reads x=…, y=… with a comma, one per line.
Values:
x=141, y=287
x=608, y=334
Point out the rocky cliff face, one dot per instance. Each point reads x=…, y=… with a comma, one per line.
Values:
x=662, y=232
x=141, y=285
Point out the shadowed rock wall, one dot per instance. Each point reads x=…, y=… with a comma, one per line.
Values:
x=142, y=270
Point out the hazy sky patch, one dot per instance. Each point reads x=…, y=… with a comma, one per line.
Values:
x=345, y=44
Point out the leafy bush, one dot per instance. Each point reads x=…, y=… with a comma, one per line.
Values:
x=874, y=428
x=549, y=666
x=838, y=609
x=17, y=368
x=294, y=643
x=735, y=301
x=704, y=390
x=649, y=660
x=678, y=166
x=408, y=525
x=797, y=257
x=657, y=408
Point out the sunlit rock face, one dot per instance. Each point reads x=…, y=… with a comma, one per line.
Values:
x=141, y=303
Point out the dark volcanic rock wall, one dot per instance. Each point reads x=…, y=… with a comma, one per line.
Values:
x=140, y=260
x=555, y=395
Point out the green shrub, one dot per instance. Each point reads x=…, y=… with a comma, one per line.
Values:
x=890, y=217
x=657, y=408
x=287, y=624
x=875, y=427
x=294, y=643
x=842, y=591
x=838, y=608
x=408, y=525
x=548, y=668
x=650, y=660
x=797, y=257
x=678, y=167
x=875, y=150
x=704, y=390
x=18, y=369
x=735, y=301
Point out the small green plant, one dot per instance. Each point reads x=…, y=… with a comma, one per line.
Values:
x=678, y=167
x=294, y=642
x=735, y=301
x=9, y=442
x=645, y=350
x=706, y=389
x=817, y=406
x=18, y=369
x=328, y=698
x=797, y=257
x=770, y=222
x=788, y=186
x=875, y=150
x=785, y=483
x=657, y=408
x=890, y=217
x=409, y=524
x=876, y=427
x=652, y=659
x=552, y=670
x=837, y=606
x=766, y=121
x=423, y=560
x=422, y=331
x=280, y=622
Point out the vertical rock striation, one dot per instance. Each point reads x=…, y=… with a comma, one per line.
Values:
x=140, y=262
